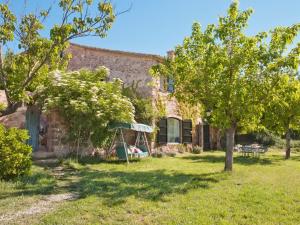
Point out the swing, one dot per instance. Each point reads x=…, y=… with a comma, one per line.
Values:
x=123, y=150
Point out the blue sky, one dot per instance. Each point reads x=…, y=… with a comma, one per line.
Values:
x=156, y=26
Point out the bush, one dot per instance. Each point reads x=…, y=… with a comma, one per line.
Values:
x=158, y=154
x=171, y=154
x=181, y=148
x=88, y=103
x=197, y=150
x=15, y=155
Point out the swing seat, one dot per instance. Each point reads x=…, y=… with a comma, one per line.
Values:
x=143, y=154
x=121, y=154
x=143, y=148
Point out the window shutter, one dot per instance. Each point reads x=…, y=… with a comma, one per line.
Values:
x=187, y=131
x=162, y=132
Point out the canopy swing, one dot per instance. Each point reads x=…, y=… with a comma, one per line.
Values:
x=123, y=150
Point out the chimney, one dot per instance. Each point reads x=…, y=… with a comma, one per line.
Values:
x=171, y=54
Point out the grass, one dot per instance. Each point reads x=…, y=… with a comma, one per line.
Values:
x=187, y=189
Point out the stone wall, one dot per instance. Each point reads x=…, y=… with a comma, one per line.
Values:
x=57, y=134
x=127, y=66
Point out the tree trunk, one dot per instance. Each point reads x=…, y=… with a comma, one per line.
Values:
x=229, y=148
x=219, y=146
x=288, y=144
x=10, y=109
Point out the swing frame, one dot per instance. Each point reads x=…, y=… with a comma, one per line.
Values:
x=141, y=130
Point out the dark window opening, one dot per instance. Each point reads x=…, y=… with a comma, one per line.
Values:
x=170, y=85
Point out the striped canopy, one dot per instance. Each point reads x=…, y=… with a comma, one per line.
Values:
x=132, y=126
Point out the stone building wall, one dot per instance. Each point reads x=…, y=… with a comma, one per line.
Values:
x=129, y=67
x=57, y=134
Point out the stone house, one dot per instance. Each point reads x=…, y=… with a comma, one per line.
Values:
x=130, y=68
x=134, y=67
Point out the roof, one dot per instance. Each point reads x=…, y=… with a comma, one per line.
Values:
x=134, y=54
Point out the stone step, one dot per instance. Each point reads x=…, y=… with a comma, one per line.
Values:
x=46, y=162
x=43, y=155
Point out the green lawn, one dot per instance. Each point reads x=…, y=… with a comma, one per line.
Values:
x=187, y=189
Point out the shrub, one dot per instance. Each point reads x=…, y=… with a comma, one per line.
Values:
x=197, y=150
x=266, y=138
x=158, y=154
x=171, y=154
x=182, y=148
x=15, y=155
x=88, y=103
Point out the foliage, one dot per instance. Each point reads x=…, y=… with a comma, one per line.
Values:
x=15, y=155
x=88, y=103
x=188, y=111
x=171, y=154
x=20, y=73
x=283, y=111
x=229, y=73
x=144, y=111
x=159, y=154
x=182, y=148
x=197, y=150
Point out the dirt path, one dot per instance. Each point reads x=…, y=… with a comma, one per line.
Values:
x=46, y=204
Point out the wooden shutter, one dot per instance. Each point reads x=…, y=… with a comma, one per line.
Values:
x=162, y=132
x=187, y=131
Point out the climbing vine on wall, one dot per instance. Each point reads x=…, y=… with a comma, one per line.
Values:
x=188, y=111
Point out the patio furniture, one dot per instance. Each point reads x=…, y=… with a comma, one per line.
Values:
x=254, y=150
x=124, y=151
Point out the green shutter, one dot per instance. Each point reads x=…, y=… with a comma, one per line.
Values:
x=162, y=132
x=187, y=131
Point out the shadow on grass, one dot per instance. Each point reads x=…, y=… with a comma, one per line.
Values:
x=38, y=183
x=116, y=186
x=296, y=158
x=97, y=160
x=237, y=159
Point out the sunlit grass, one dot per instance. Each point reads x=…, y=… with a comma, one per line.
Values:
x=187, y=189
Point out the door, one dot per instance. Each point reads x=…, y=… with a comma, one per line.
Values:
x=32, y=125
x=206, y=137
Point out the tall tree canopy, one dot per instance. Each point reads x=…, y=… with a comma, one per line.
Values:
x=229, y=73
x=282, y=113
x=22, y=72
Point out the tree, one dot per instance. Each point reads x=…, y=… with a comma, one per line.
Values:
x=229, y=73
x=88, y=103
x=144, y=111
x=283, y=111
x=20, y=73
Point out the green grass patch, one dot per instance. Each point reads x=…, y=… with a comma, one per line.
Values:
x=187, y=189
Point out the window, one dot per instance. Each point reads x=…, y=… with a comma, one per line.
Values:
x=170, y=87
x=173, y=129
x=167, y=84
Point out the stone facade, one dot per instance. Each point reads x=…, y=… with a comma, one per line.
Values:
x=131, y=68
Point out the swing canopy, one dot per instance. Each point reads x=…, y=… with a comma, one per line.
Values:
x=132, y=126
x=125, y=151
